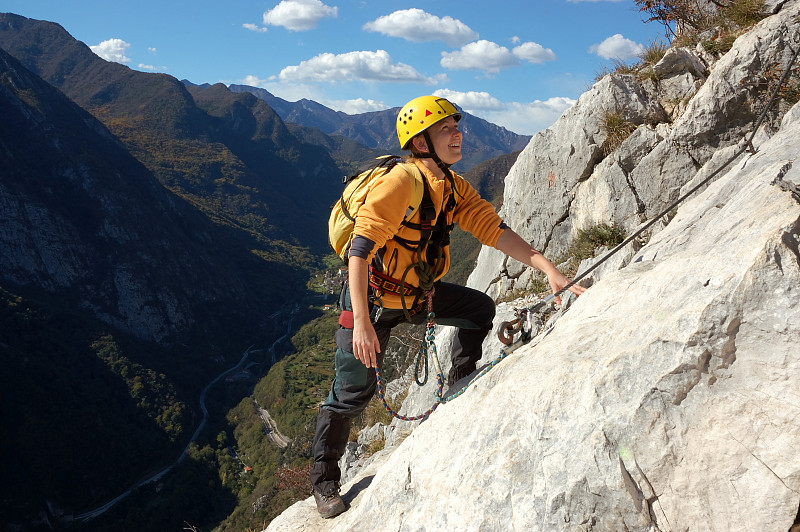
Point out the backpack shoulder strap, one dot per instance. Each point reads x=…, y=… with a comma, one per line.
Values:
x=420, y=198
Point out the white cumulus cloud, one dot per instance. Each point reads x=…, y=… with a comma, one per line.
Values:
x=617, y=47
x=534, y=52
x=352, y=66
x=416, y=25
x=152, y=68
x=298, y=15
x=528, y=118
x=472, y=101
x=254, y=27
x=479, y=55
x=355, y=107
x=525, y=118
x=253, y=81
x=112, y=50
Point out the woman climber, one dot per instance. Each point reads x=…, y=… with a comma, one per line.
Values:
x=394, y=266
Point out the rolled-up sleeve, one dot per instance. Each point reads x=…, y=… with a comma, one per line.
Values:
x=361, y=247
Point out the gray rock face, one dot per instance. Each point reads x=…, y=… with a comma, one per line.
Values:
x=666, y=397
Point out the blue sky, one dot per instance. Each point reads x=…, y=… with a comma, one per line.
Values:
x=517, y=63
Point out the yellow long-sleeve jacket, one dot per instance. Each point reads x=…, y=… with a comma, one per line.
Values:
x=380, y=219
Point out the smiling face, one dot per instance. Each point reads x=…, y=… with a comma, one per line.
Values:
x=446, y=138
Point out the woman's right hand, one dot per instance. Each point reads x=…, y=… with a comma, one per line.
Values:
x=365, y=343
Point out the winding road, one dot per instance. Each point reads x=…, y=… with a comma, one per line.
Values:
x=91, y=514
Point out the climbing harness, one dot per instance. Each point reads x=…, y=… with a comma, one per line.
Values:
x=522, y=324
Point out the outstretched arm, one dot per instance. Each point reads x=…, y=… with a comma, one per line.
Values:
x=514, y=246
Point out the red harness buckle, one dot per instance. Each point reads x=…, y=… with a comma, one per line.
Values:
x=346, y=319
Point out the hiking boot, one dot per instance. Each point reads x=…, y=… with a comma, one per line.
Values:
x=330, y=504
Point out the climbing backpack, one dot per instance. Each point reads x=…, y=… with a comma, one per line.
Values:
x=343, y=214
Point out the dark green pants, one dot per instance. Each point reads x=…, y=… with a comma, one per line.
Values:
x=355, y=384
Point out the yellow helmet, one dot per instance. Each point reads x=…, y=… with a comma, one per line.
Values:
x=421, y=113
